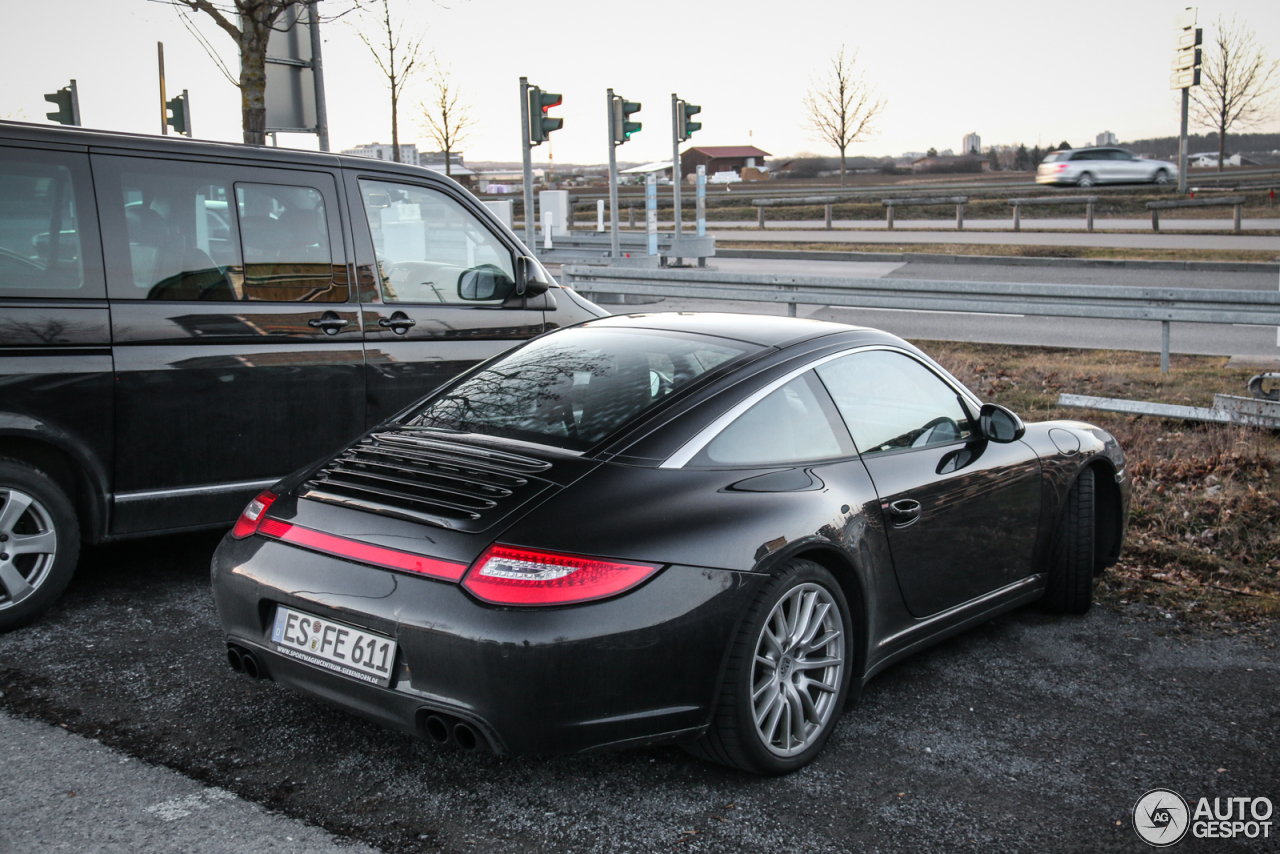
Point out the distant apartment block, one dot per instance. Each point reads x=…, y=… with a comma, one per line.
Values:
x=381, y=151
x=972, y=143
x=1107, y=138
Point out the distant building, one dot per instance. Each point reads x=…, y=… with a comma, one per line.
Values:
x=434, y=160
x=1107, y=138
x=722, y=158
x=972, y=143
x=381, y=151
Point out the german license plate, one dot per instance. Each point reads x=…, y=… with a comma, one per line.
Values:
x=334, y=646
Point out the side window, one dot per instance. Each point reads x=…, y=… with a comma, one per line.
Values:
x=194, y=232
x=285, y=233
x=426, y=242
x=793, y=424
x=42, y=252
x=890, y=401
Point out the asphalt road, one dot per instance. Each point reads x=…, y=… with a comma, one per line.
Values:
x=1191, y=338
x=1029, y=733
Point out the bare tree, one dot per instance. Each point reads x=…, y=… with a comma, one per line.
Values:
x=249, y=23
x=842, y=107
x=397, y=57
x=1239, y=82
x=446, y=115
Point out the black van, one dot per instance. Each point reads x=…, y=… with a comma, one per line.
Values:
x=182, y=323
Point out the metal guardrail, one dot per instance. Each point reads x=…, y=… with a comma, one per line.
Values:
x=1187, y=305
x=586, y=246
x=1213, y=201
x=1088, y=201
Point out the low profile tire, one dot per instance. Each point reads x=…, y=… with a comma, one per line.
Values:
x=1071, y=568
x=1161, y=177
x=787, y=676
x=39, y=542
x=1086, y=180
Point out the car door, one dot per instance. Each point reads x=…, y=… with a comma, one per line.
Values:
x=961, y=513
x=416, y=245
x=55, y=332
x=237, y=345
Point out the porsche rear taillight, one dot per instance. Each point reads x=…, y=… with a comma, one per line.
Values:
x=361, y=552
x=508, y=575
x=252, y=516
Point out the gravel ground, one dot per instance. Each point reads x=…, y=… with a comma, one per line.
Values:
x=1029, y=733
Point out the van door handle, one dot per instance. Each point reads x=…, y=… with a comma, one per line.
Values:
x=329, y=322
x=398, y=323
x=904, y=512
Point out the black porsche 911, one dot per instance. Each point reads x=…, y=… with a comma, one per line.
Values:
x=704, y=529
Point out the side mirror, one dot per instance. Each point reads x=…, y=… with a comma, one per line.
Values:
x=531, y=279
x=999, y=424
x=484, y=284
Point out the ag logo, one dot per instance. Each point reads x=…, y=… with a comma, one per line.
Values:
x=1161, y=817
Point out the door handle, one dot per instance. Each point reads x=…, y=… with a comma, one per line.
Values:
x=904, y=512
x=398, y=323
x=329, y=322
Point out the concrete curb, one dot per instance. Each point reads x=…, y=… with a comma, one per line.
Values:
x=1000, y=260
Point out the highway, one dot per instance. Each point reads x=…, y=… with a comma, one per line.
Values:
x=1167, y=223
x=1190, y=338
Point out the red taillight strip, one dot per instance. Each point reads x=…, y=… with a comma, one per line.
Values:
x=362, y=552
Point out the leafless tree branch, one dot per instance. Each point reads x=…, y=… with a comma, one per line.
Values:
x=1238, y=82
x=446, y=117
x=387, y=41
x=842, y=107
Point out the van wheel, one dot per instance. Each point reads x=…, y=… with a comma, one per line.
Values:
x=787, y=676
x=1070, y=587
x=39, y=542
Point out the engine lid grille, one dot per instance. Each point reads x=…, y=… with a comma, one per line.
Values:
x=426, y=479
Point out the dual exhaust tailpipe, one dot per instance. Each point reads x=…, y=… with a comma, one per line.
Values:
x=444, y=729
x=439, y=728
x=244, y=661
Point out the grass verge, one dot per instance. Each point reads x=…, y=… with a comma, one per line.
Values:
x=1203, y=543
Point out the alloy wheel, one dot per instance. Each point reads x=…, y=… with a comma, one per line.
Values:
x=799, y=662
x=28, y=546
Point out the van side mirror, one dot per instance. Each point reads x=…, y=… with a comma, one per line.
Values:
x=999, y=424
x=486, y=283
x=531, y=279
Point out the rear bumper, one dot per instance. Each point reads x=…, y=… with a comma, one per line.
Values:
x=643, y=668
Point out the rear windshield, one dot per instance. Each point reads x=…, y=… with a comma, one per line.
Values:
x=1054, y=155
x=574, y=388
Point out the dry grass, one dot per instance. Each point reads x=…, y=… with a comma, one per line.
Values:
x=1021, y=251
x=1204, y=528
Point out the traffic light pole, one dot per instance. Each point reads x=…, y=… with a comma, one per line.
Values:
x=164, y=101
x=529, y=241
x=614, y=251
x=1182, y=144
x=675, y=155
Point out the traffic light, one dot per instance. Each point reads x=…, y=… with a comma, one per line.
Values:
x=683, y=114
x=622, y=128
x=179, y=114
x=67, y=100
x=540, y=124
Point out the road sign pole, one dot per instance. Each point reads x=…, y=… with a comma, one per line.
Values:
x=75, y=104
x=675, y=156
x=317, y=75
x=1182, y=144
x=528, y=165
x=186, y=112
x=614, y=251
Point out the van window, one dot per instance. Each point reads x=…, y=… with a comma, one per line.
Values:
x=196, y=233
x=425, y=241
x=286, y=242
x=40, y=241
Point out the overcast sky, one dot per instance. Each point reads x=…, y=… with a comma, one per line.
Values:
x=1012, y=70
